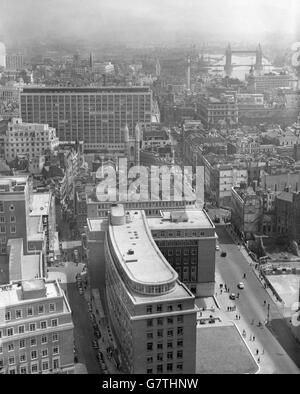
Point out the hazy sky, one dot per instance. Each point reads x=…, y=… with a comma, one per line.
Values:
x=147, y=20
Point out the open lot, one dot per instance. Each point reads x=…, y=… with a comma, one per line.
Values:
x=215, y=355
x=287, y=286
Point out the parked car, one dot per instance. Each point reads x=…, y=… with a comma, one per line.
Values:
x=100, y=356
x=241, y=285
x=217, y=247
x=95, y=344
x=232, y=296
x=223, y=254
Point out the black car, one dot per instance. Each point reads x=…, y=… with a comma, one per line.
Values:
x=95, y=344
x=223, y=254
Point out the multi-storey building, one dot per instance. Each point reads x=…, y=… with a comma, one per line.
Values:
x=14, y=194
x=152, y=313
x=96, y=116
x=212, y=110
x=96, y=208
x=9, y=101
x=2, y=55
x=15, y=62
x=221, y=176
x=36, y=328
x=268, y=83
x=288, y=215
x=29, y=139
x=154, y=136
x=246, y=211
x=187, y=240
x=25, y=215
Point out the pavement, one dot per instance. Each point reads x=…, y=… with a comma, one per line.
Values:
x=271, y=356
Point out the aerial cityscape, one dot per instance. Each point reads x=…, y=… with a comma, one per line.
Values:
x=149, y=188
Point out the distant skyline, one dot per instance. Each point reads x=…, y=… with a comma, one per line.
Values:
x=147, y=21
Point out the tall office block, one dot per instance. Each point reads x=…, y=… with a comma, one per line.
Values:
x=152, y=313
x=96, y=116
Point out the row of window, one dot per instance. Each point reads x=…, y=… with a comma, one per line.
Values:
x=12, y=229
x=34, y=367
x=3, y=219
x=159, y=308
x=157, y=234
x=160, y=334
x=19, y=313
x=34, y=354
x=168, y=356
x=170, y=332
x=31, y=328
x=170, y=367
x=23, y=343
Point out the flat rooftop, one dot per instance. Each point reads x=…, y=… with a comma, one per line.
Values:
x=9, y=184
x=222, y=350
x=22, y=267
x=13, y=294
x=97, y=224
x=81, y=90
x=288, y=288
x=189, y=219
x=35, y=230
x=40, y=204
x=137, y=252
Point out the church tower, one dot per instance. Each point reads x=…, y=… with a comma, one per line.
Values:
x=132, y=146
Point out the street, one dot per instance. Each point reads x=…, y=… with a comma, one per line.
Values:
x=250, y=305
x=83, y=331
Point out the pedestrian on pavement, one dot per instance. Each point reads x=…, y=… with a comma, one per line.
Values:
x=253, y=338
x=221, y=292
x=238, y=295
x=236, y=317
x=250, y=337
x=257, y=352
x=244, y=276
x=265, y=302
x=239, y=317
x=258, y=360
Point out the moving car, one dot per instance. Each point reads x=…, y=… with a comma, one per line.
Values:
x=217, y=247
x=241, y=285
x=232, y=296
x=223, y=254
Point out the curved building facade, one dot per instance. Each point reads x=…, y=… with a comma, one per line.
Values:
x=152, y=313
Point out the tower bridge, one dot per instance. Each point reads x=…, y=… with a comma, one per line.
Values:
x=229, y=52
